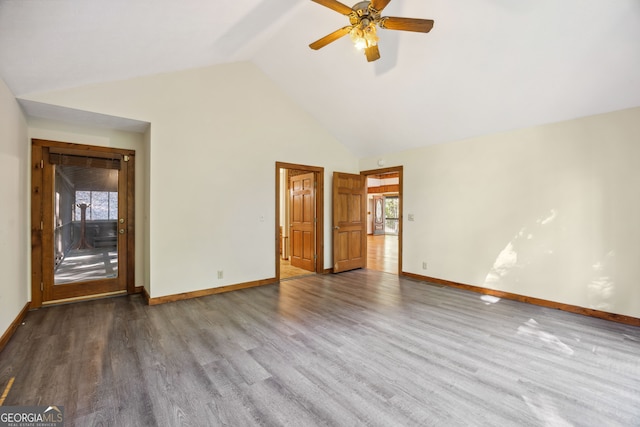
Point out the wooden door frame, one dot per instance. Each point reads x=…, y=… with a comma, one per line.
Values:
x=399, y=170
x=319, y=201
x=37, y=193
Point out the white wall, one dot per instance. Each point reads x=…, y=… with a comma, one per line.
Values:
x=216, y=135
x=15, y=236
x=64, y=132
x=551, y=212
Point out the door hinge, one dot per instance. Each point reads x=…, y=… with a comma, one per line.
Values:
x=125, y=158
x=41, y=164
x=315, y=220
x=41, y=287
x=315, y=257
x=41, y=225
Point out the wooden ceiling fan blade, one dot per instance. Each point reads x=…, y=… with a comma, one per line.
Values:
x=335, y=5
x=406, y=24
x=379, y=4
x=372, y=53
x=330, y=38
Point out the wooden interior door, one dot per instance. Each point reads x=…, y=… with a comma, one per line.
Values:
x=378, y=215
x=82, y=221
x=349, y=222
x=302, y=227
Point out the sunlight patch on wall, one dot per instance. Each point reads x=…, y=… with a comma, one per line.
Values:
x=601, y=289
x=549, y=219
x=507, y=260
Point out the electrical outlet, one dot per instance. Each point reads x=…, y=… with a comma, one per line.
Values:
x=424, y=265
x=220, y=275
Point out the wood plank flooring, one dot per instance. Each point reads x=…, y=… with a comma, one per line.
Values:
x=358, y=348
x=382, y=253
x=288, y=271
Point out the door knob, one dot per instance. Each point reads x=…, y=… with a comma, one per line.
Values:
x=121, y=231
x=336, y=228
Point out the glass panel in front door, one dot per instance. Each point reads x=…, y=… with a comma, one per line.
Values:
x=86, y=224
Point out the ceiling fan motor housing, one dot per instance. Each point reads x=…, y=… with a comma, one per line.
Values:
x=363, y=14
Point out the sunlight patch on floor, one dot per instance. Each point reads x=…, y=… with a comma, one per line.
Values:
x=531, y=328
x=546, y=411
x=489, y=299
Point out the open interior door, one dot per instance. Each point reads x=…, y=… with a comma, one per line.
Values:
x=349, y=222
x=302, y=234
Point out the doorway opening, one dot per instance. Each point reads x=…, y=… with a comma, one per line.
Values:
x=82, y=222
x=299, y=220
x=384, y=219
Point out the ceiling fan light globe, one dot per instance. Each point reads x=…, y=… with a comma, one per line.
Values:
x=370, y=35
x=360, y=44
x=357, y=37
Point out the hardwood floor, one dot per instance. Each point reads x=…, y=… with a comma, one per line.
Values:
x=357, y=348
x=288, y=271
x=382, y=253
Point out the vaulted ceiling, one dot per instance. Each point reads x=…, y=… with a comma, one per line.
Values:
x=487, y=66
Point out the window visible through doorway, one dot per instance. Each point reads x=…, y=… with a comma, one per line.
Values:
x=101, y=204
x=391, y=213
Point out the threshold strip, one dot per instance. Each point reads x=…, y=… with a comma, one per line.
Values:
x=6, y=390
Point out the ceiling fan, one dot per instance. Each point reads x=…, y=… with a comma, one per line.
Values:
x=364, y=17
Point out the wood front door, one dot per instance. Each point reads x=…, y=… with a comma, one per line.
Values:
x=378, y=215
x=302, y=233
x=349, y=222
x=82, y=221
